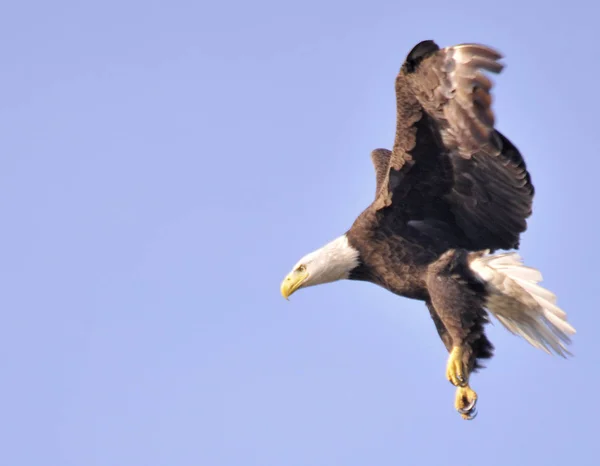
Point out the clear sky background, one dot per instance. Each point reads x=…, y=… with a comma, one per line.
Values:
x=164, y=164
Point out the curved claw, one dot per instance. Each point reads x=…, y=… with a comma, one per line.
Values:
x=469, y=408
x=465, y=402
x=470, y=416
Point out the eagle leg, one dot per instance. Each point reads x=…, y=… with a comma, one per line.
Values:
x=457, y=305
x=465, y=402
x=456, y=370
x=458, y=373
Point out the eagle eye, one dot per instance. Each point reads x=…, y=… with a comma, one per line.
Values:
x=302, y=268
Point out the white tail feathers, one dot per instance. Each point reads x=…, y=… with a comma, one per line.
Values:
x=520, y=304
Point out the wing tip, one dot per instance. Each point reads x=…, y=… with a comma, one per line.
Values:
x=477, y=56
x=418, y=53
x=479, y=49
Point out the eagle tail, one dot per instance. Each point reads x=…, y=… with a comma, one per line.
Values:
x=520, y=304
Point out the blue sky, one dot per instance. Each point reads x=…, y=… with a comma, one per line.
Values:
x=164, y=164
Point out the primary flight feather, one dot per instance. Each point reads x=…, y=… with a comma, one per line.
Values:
x=451, y=192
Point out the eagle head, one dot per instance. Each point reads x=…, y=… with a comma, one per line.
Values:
x=332, y=262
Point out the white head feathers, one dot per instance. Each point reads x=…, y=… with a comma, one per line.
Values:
x=332, y=262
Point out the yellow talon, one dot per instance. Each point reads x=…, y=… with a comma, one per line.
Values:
x=465, y=402
x=455, y=369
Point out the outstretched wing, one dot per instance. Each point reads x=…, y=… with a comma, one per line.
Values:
x=450, y=86
x=447, y=152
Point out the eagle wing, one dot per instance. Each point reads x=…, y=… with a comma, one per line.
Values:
x=449, y=163
x=381, y=160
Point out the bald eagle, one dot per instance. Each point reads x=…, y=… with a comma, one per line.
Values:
x=450, y=194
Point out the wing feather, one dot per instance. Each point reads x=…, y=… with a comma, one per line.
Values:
x=447, y=148
x=381, y=161
x=452, y=88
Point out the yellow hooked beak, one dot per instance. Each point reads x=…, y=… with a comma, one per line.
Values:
x=292, y=282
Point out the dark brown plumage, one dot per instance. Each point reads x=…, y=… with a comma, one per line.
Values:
x=452, y=189
x=451, y=181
